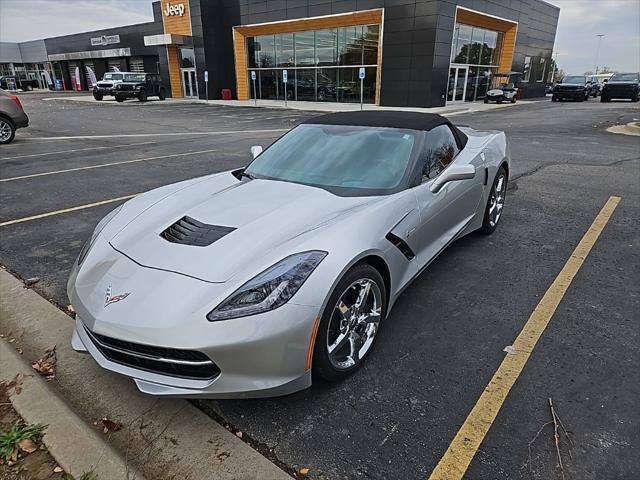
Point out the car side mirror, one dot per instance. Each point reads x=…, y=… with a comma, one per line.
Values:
x=256, y=150
x=453, y=174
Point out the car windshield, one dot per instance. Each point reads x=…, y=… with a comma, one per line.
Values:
x=112, y=76
x=624, y=77
x=134, y=77
x=574, y=79
x=338, y=156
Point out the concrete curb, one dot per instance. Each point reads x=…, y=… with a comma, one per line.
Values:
x=629, y=129
x=76, y=446
x=164, y=438
x=326, y=107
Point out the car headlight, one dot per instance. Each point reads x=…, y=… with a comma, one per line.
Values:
x=270, y=289
x=101, y=224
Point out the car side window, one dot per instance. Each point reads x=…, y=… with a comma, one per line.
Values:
x=438, y=152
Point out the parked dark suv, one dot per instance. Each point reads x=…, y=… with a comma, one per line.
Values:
x=140, y=86
x=575, y=87
x=622, y=85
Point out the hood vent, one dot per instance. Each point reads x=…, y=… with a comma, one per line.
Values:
x=189, y=231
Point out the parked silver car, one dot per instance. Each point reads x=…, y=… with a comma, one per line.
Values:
x=249, y=282
x=12, y=117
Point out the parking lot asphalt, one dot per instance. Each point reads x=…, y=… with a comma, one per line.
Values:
x=444, y=340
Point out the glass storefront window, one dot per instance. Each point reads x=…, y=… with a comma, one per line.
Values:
x=462, y=45
x=322, y=65
x=327, y=47
x=370, y=34
x=265, y=52
x=490, y=42
x=187, y=59
x=305, y=49
x=285, y=56
x=350, y=46
x=475, y=49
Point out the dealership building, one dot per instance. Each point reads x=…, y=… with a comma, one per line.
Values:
x=412, y=53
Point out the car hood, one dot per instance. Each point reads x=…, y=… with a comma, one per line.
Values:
x=264, y=216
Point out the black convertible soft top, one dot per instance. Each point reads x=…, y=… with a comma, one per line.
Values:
x=389, y=119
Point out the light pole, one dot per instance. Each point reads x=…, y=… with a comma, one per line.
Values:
x=600, y=35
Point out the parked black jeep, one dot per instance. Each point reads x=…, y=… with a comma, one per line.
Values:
x=575, y=87
x=18, y=82
x=622, y=85
x=140, y=86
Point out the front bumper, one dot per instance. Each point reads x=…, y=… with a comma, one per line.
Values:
x=573, y=94
x=619, y=92
x=126, y=93
x=262, y=355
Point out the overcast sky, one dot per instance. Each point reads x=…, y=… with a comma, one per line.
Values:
x=576, y=41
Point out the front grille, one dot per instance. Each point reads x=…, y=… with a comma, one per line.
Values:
x=105, y=85
x=188, y=231
x=164, y=361
x=124, y=86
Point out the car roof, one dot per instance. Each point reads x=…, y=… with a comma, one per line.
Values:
x=388, y=119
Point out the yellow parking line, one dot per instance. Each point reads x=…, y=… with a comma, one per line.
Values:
x=91, y=167
x=66, y=210
x=462, y=449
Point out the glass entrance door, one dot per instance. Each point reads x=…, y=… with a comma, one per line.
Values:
x=457, y=86
x=189, y=82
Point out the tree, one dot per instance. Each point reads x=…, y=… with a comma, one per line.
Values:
x=589, y=72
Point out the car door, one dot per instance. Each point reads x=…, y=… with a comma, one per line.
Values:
x=445, y=214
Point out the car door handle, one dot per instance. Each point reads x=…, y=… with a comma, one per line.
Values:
x=482, y=156
x=411, y=231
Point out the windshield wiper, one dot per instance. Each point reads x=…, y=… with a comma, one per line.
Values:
x=248, y=175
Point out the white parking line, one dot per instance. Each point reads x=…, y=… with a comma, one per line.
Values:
x=164, y=134
x=76, y=150
x=90, y=167
x=66, y=210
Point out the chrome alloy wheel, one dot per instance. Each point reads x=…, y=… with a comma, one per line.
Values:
x=496, y=201
x=5, y=130
x=354, y=323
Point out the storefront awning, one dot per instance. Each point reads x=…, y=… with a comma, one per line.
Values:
x=163, y=39
x=112, y=52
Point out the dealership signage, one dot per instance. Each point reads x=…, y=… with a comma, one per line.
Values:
x=105, y=40
x=174, y=10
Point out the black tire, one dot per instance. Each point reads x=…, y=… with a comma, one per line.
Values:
x=119, y=99
x=322, y=366
x=142, y=96
x=499, y=101
x=586, y=98
x=513, y=100
x=7, y=131
x=603, y=99
x=554, y=98
x=162, y=94
x=98, y=96
x=487, y=227
x=636, y=97
x=322, y=95
x=486, y=100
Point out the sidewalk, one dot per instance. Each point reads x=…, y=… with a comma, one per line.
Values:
x=163, y=438
x=327, y=107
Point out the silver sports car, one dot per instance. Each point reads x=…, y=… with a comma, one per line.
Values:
x=249, y=283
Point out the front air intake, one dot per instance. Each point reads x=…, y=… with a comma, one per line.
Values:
x=188, y=231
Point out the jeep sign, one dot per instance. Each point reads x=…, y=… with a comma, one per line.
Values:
x=173, y=10
x=105, y=40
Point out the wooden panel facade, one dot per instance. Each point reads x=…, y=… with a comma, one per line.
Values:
x=507, y=27
x=173, y=58
x=177, y=23
x=240, y=34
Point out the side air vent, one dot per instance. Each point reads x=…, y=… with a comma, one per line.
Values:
x=401, y=245
x=188, y=231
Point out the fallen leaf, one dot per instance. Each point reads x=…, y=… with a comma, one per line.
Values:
x=108, y=425
x=14, y=456
x=304, y=470
x=46, y=366
x=31, y=281
x=27, y=445
x=510, y=350
x=11, y=340
x=15, y=384
x=58, y=469
x=239, y=434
